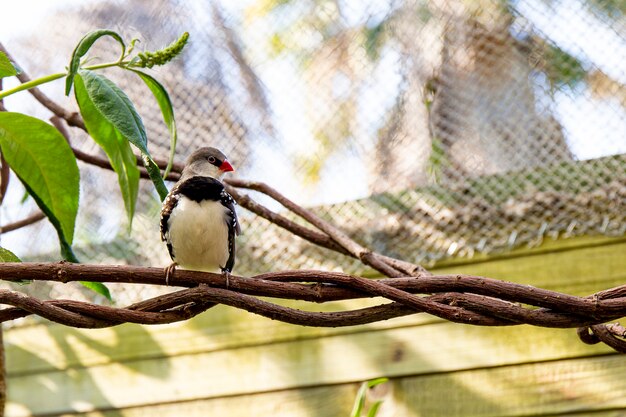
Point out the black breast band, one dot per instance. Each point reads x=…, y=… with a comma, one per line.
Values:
x=201, y=188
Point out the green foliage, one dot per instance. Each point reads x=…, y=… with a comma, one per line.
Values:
x=561, y=68
x=117, y=108
x=374, y=40
x=8, y=256
x=112, y=106
x=108, y=136
x=98, y=288
x=437, y=160
x=6, y=67
x=359, y=402
x=44, y=162
x=82, y=48
x=163, y=56
x=167, y=110
x=277, y=44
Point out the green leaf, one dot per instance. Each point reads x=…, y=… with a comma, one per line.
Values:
x=155, y=175
x=377, y=381
x=42, y=159
x=562, y=68
x=66, y=247
x=167, y=110
x=8, y=256
x=374, y=409
x=99, y=288
x=81, y=49
x=359, y=402
x=360, y=397
x=114, y=105
x=6, y=67
x=374, y=40
x=91, y=90
x=44, y=162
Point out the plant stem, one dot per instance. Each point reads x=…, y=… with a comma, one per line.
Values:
x=30, y=84
x=108, y=65
x=36, y=82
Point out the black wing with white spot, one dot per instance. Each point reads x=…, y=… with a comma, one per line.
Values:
x=169, y=204
x=233, y=228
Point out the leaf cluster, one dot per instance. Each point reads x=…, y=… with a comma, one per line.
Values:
x=43, y=160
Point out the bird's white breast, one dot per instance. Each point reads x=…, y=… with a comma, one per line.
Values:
x=198, y=233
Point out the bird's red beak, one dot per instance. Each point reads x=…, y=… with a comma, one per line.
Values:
x=226, y=166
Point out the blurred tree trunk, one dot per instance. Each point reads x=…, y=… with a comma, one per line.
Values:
x=470, y=96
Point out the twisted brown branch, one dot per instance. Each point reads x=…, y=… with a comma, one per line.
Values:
x=458, y=298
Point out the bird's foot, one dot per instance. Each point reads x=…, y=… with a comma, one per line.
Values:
x=226, y=275
x=169, y=272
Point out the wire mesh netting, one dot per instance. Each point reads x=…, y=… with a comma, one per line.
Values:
x=425, y=129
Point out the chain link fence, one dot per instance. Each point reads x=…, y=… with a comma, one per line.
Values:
x=425, y=129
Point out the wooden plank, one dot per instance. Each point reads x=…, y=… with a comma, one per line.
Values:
x=395, y=352
x=50, y=347
x=552, y=388
x=579, y=270
x=593, y=386
x=605, y=413
x=547, y=245
x=42, y=348
x=317, y=401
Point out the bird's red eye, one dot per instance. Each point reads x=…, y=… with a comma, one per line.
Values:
x=211, y=159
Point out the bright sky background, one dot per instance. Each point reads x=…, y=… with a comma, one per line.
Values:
x=595, y=128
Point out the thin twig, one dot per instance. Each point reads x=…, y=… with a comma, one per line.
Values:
x=388, y=266
x=31, y=219
x=306, y=233
x=334, y=233
x=606, y=333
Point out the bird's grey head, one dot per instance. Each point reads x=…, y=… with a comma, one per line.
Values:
x=206, y=162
